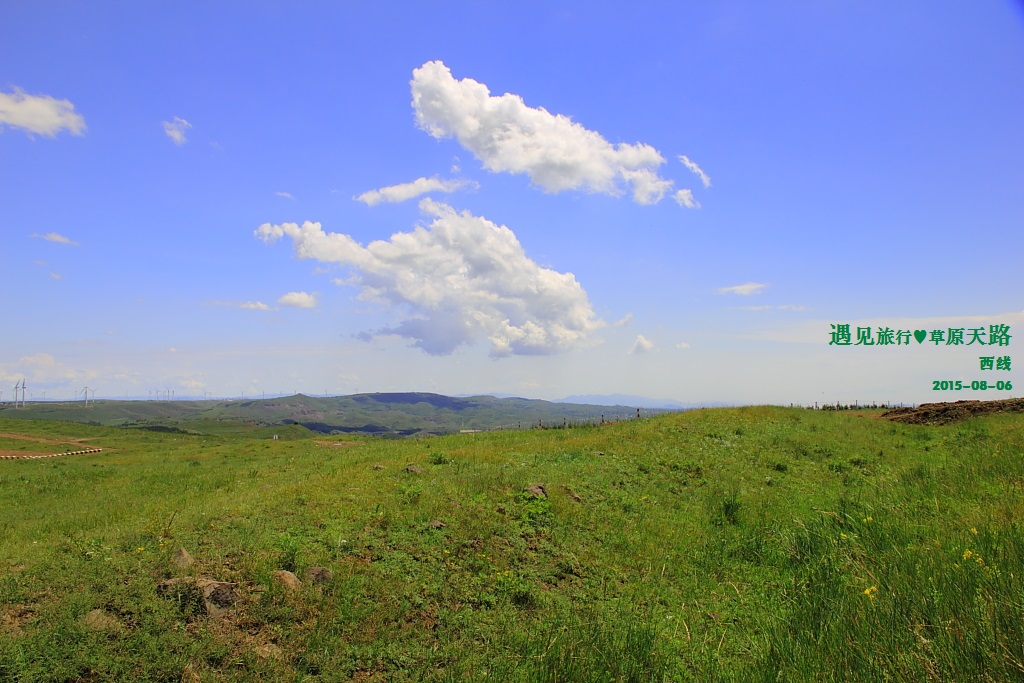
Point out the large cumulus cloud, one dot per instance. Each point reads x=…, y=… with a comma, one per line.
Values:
x=506, y=135
x=463, y=277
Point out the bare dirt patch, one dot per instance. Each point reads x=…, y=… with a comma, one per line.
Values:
x=945, y=413
x=13, y=618
x=39, y=439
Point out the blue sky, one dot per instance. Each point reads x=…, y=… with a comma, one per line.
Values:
x=663, y=199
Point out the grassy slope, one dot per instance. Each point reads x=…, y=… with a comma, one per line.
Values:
x=727, y=544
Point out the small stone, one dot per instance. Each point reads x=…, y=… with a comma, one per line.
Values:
x=500, y=509
x=181, y=558
x=414, y=469
x=98, y=620
x=537, y=490
x=287, y=579
x=378, y=467
x=437, y=524
x=269, y=651
x=318, y=575
x=220, y=594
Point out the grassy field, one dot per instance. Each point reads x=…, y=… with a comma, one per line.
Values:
x=747, y=544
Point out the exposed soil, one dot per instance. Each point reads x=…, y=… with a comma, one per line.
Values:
x=39, y=439
x=944, y=413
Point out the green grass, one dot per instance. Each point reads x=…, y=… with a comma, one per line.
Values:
x=730, y=544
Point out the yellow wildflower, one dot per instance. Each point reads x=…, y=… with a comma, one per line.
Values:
x=870, y=592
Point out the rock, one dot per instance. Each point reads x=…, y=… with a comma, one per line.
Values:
x=537, y=490
x=437, y=524
x=181, y=559
x=218, y=595
x=318, y=575
x=414, y=469
x=98, y=620
x=500, y=509
x=269, y=651
x=378, y=467
x=287, y=579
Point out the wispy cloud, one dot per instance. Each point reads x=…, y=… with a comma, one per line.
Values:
x=463, y=277
x=623, y=321
x=782, y=307
x=744, y=289
x=298, y=300
x=56, y=276
x=404, y=191
x=39, y=114
x=57, y=238
x=286, y=195
x=508, y=136
x=692, y=165
x=685, y=199
x=175, y=130
x=682, y=346
x=255, y=306
x=641, y=345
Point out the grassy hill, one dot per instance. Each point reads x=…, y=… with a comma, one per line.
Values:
x=396, y=414
x=741, y=544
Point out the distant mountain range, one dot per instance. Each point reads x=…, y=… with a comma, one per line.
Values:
x=635, y=402
x=384, y=414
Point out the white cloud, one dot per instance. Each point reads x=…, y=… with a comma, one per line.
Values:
x=462, y=277
x=42, y=368
x=404, y=191
x=55, y=276
x=692, y=165
x=255, y=306
x=623, y=321
x=175, y=130
x=682, y=346
x=685, y=199
x=783, y=307
x=641, y=345
x=506, y=135
x=58, y=238
x=39, y=114
x=286, y=195
x=744, y=289
x=298, y=300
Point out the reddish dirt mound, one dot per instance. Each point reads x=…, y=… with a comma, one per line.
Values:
x=944, y=413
